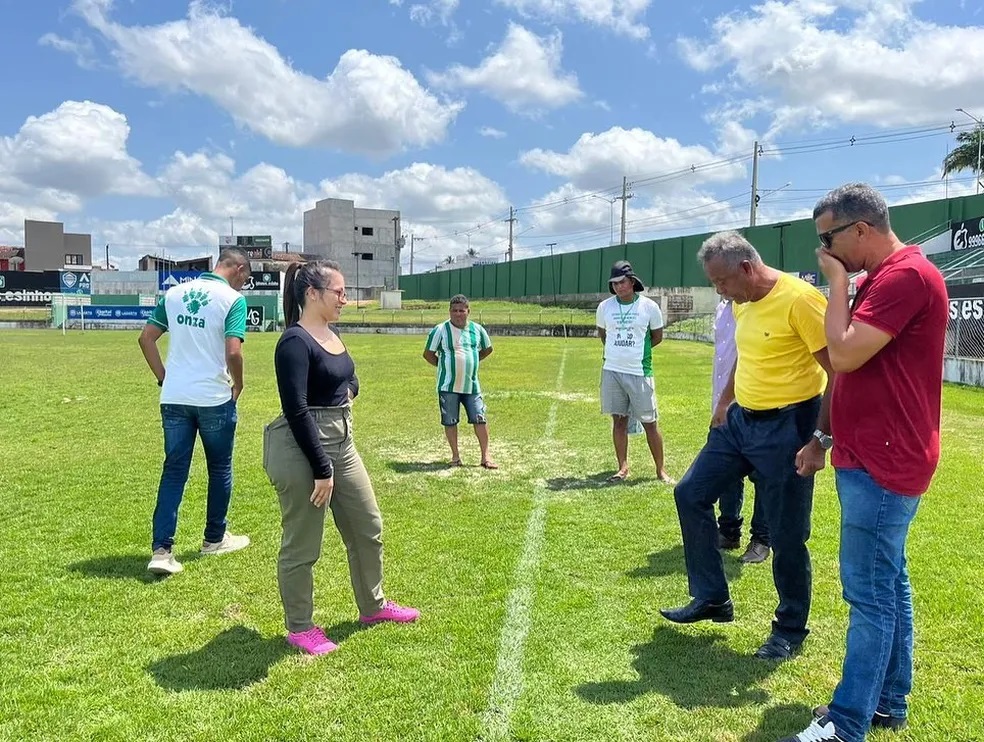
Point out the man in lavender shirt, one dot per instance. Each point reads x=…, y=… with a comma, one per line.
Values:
x=729, y=523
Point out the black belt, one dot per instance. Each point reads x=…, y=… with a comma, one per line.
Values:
x=764, y=414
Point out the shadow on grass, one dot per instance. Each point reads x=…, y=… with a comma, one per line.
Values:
x=671, y=562
x=780, y=721
x=693, y=671
x=124, y=567
x=235, y=659
x=416, y=467
x=595, y=482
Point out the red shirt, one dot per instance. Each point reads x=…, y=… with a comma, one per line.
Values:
x=885, y=415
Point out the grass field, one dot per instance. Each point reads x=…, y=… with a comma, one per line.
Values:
x=539, y=587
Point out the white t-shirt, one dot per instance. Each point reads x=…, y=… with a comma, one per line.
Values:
x=199, y=315
x=628, y=344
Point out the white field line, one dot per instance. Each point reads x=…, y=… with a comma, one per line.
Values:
x=507, y=684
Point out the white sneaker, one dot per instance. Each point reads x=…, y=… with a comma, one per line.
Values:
x=163, y=563
x=229, y=543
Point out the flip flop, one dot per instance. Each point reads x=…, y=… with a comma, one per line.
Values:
x=489, y=465
x=617, y=477
x=454, y=462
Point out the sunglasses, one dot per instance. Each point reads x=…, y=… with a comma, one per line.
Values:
x=827, y=238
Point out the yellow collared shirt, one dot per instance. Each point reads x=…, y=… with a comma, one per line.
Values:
x=776, y=339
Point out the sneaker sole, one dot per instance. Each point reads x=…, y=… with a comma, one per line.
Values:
x=166, y=571
x=224, y=550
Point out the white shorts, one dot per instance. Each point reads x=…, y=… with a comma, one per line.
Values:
x=628, y=395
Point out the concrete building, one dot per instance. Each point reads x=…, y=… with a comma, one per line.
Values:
x=47, y=247
x=157, y=263
x=365, y=242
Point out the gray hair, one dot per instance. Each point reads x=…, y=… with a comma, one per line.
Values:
x=855, y=202
x=459, y=299
x=730, y=247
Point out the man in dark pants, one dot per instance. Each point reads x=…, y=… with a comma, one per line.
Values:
x=771, y=421
x=733, y=496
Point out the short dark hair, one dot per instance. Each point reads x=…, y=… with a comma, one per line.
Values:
x=233, y=256
x=459, y=299
x=855, y=202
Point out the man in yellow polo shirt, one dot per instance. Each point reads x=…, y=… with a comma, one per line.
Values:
x=773, y=420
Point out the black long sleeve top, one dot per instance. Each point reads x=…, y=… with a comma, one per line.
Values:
x=309, y=376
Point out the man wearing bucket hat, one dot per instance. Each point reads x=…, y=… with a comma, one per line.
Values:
x=629, y=325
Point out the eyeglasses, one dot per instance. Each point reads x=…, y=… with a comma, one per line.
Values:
x=340, y=293
x=827, y=238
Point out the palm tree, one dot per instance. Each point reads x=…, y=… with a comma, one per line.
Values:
x=471, y=252
x=966, y=156
x=449, y=259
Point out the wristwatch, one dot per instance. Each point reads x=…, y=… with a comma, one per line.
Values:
x=826, y=441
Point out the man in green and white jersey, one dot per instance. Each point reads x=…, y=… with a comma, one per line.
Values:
x=629, y=326
x=456, y=347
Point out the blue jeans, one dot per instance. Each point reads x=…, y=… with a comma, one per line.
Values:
x=766, y=444
x=451, y=404
x=217, y=428
x=730, y=520
x=877, y=673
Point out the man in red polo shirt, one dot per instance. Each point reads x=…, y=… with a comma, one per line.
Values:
x=887, y=350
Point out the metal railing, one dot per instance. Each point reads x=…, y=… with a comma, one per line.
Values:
x=965, y=335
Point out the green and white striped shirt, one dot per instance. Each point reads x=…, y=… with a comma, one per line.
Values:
x=457, y=355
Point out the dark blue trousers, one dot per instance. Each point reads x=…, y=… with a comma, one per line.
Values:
x=764, y=444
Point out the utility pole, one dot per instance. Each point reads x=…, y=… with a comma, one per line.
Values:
x=396, y=251
x=511, y=220
x=413, y=241
x=358, y=259
x=623, y=198
x=755, y=183
x=553, y=271
x=980, y=141
x=232, y=227
x=107, y=257
x=782, y=245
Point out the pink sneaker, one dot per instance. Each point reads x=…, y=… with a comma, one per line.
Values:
x=312, y=641
x=392, y=612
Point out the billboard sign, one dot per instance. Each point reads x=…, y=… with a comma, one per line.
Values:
x=257, y=281
x=255, y=316
x=257, y=246
x=967, y=235
x=75, y=282
x=110, y=313
x=28, y=288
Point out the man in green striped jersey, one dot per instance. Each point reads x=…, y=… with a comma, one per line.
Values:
x=456, y=347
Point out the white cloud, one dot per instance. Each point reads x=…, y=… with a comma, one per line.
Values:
x=867, y=61
x=44, y=174
x=59, y=159
x=80, y=47
x=368, y=103
x=524, y=73
x=491, y=132
x=621, y=16
x=434, y=10
x=596, y=161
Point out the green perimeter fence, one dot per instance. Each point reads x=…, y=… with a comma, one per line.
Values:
x=667, y=263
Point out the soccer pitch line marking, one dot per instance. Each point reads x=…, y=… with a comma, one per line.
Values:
x=507, y=684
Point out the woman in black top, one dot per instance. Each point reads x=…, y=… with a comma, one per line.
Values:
x=309, y=456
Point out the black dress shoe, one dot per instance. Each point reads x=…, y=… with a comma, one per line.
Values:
x=776, y=648
x=701, y=610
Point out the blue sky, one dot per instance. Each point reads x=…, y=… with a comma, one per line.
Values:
x=150, y=124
